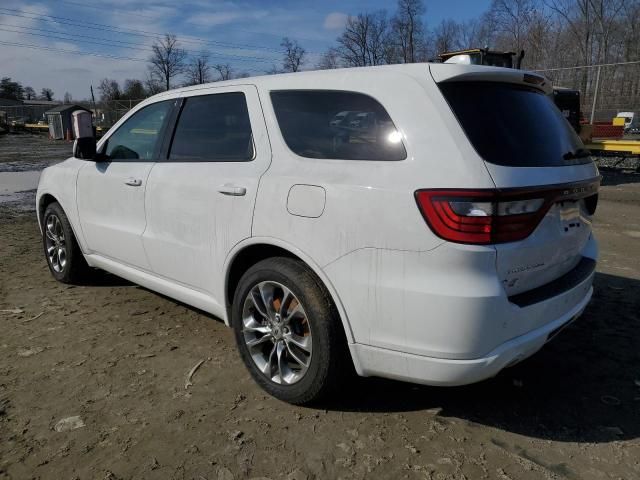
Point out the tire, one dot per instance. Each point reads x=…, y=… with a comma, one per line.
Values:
x=305, y=317
x=62, y=253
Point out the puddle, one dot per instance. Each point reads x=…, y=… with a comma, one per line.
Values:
x=12, y=183
x=18, y=189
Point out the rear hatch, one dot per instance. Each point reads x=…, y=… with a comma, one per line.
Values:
x=543, y=174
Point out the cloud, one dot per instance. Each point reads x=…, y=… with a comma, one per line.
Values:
x=66, y=46
x=335, y=21
x=223, y=18
x=233, y=33
x=211, y=19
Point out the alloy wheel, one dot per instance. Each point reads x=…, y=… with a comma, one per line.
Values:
x=55, y=243
x=277, y=332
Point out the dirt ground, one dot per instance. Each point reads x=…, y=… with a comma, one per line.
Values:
x=117, y=356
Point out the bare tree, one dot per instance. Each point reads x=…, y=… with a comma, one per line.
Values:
x=109, y=90
x=67, y=98
x=354, y=45
x=198, y=69
x=11, y=89
x=468, y=34
x=224, y=70
x=539, y=42
x=46, y=94
x=512, y=18
x=476, y=33
x=588, y=23
x=380, y=45
x=553, y=33
x=273, y=70
x=446, y=36
x=168, y=59
x=606, y=14
x=577, y=16
x=133, y=89
x=365, y=40
x=408, y=29
x=486, y=31
x=29, y=93
x=330, y=60
x=630, y=37
x=294, y=55
x=152, y=84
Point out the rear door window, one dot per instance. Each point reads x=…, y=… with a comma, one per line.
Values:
x=213, y=128
x=513, y=125
x=336, y=125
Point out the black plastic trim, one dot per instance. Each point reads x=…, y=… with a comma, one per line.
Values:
x=560, y=285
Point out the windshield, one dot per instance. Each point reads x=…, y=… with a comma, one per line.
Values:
x=513, y=125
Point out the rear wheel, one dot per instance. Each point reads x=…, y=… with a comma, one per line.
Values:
x=288, y=332
x=64, y=258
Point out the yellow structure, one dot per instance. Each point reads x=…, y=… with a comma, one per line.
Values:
x=623, y=147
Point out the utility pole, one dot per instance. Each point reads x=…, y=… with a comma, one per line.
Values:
x=595, y=95
x=93, y=98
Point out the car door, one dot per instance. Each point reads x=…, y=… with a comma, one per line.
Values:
x=110, y=192
x=200, y=199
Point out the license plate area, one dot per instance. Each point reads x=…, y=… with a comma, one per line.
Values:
x=571, y=218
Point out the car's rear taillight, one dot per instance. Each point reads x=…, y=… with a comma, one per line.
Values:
x=494, y=216
x=479, y=217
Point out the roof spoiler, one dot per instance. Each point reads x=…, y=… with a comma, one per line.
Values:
x=447, y=72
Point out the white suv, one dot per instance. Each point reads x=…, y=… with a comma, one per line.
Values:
x=440, y=242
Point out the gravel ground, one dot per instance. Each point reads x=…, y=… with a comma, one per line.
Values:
x=22, y=157
x=23, y=152
x=92, y=386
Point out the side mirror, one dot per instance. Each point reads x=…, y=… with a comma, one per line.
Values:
x=85, y=148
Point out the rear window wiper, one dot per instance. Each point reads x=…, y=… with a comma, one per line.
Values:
x=580, y=153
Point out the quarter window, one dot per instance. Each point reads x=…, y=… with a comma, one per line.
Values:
x=138, y=137
x=213, y=128
x=336, y=125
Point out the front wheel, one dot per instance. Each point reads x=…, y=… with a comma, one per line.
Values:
x=64, y=258
x=288, y=332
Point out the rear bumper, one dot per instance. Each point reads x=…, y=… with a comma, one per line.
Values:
x=375, y=361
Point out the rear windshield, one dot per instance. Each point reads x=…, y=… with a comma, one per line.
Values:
x=336, y=125
x=513, y=125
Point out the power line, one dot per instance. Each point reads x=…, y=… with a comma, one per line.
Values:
x=127, y=31
x=278, y=35
x=64, y=33
x=78, y=4
x=138, y=48
x=52, y=49
x=93, y=54
x=586, y=66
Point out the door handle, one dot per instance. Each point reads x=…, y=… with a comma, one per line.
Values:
x=134, y=182
x=232, y=190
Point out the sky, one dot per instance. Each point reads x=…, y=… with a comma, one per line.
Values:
x=68, y=45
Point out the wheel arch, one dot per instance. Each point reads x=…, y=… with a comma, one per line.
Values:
x=249, y=252
x=44, y=201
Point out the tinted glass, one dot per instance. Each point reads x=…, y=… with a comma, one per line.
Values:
x=139, y=137
x=213, y=128
x=512, y=125
x=336, y=125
